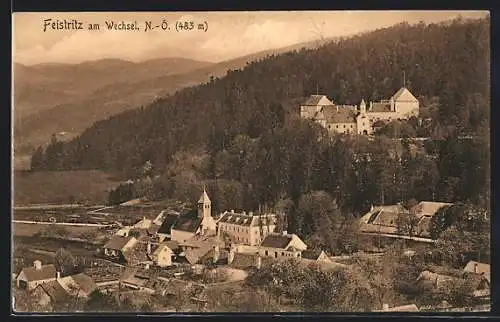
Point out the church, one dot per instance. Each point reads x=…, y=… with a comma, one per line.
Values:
x=352, y=119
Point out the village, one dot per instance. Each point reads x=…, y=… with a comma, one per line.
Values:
x=192, y=251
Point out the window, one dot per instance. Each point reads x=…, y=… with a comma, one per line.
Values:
x=267, y=254
x=352, y=126
x=275, y=254
x=363, y=123
x=282, y=254
x=344, y=126
x=337, y=126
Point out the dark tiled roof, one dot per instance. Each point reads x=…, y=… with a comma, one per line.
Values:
x=340, y=115
x=172, y=244
x=194, y=255
x=311, y=254
x=46, y=272
x=243, y=261
x=56, y=292
x=117, y=242
x=85, y=282
x=236, y=219
x=189, y=222
x=313, y=100
x=276, y=241
x=380, y=107
x=167, y=224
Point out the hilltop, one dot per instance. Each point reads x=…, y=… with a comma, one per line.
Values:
x=52, y=98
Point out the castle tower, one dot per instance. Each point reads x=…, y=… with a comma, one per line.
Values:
x=362, y=106
x=204, y=205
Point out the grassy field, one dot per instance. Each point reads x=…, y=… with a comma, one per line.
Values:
x=26, y=230
x=61, y=187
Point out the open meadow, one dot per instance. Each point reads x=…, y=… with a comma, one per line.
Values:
x=61, y=187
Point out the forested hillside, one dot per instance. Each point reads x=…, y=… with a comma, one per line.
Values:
x=253, y=150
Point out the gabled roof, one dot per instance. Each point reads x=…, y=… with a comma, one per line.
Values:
x=171, y=244
x=82, y=283
x=136, y=254
x=55, y=290
x=117, y=242
x=276, y=241
x=428, y=208
x=311, y=254
x=380, y=107
x=44, y=273
x=167, y=224
x=236, y=219
x=404, y=95
x=314, y=100
x=195, y=254
x=189, y=222
x=341, y=114
x=478, y=268
x=243, y=261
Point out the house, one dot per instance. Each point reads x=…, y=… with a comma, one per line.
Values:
x=350, y=119
x=164, y=231
x=481, y=275
x=315, y=255
x=50, y=293
x=117, y=245
x=144, y=223
x=477, y=268
x=137, y=279
x=198, y=247
x=30, y=277
x=282, y=245
x=382, y=219
x=186, y=227
x=80, y=285
x=425, y=210
x=163, y=254
x=245, y=228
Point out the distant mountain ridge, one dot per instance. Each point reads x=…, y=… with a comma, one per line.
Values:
x=121, y=85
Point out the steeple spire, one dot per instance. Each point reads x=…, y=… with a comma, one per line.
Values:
x=404, y=79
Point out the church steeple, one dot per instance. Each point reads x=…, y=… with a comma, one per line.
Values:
x=362, y=106
x=204, y=205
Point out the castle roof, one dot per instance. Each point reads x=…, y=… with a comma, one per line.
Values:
x=314, y=100
x=404, y=95
x=339, y=114
x=204, y=197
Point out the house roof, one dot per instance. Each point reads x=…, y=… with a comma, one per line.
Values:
x=44, y=273
x=171, y=244
x=482, y=269
x=428, y=208
x=243, y=261
x=404, y=95
x=167, y=223
x=204, y=197
x=340, y=114
x=311, y=254
x=136, y=254
x=85, y=282
x=189, y=222
x=117, y=242
x=313, y=100
x=195, y=254
x=236, y=219
x=276, y=241
x=377, y=107
x=385, y=218
x=55, y=290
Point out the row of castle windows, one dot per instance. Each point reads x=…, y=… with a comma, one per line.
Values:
x=352, y=126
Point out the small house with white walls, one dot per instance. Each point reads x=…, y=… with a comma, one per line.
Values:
x=282, y=245
x=118, y=245
x=30, y=277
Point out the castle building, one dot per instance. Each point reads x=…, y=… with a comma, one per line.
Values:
x=248, y=229
x=351, y=119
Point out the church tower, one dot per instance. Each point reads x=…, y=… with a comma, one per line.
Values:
x=205, y=214
x=204, y=205
x=362, y=106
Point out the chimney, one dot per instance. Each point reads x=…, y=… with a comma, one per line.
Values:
x=385, y=307
x=232, y=211
x=258, y=263
x=37, y=264
x=371, y=105
x=216, y=253
x=337, y=107
x=58, y=275
x=475, y=268
x=146, y=266
x=371, y=208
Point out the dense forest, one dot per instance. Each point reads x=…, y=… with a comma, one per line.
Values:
x=241, y=134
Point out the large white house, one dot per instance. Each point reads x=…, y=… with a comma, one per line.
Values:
x=243, y=228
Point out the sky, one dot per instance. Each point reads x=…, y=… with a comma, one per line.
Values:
x=229, y=34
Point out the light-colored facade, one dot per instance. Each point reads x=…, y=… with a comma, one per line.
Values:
x=30, y=277
x=162, y=256
x=351, y=119
x=243, y=228
x=282, y=246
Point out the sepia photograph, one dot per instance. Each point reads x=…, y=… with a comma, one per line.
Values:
x=251, y=161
